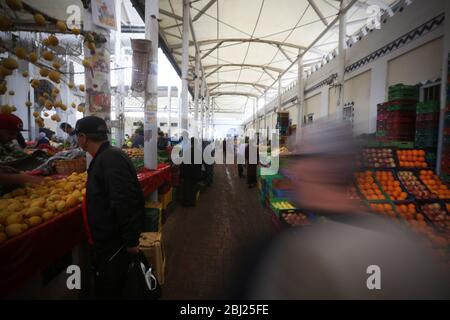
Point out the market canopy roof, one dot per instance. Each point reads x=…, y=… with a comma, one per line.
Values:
x=244, y=45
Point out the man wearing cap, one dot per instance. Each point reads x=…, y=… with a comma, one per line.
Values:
x=114, y=210
x=10, y=128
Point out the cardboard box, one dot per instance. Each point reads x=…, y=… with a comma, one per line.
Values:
x=150, y=243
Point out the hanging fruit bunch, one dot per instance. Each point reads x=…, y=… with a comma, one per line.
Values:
x=5, y=23
x=33, y=57
x=39, y=19
x=21, y=53
x=81, y=108
x=15, y=5
x=3, y=87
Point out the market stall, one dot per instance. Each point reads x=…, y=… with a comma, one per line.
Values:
x=49, y=229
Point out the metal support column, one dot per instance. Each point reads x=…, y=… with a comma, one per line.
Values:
x=208, y=116
x=202, y=109
x=341, y=61
x=212, y=118
x=118, y=108
x=169, y=106
x=184, y=67
x=279, y=94
x=444, y=88
x=196, y=93
x=300, y=96
x=151, y=90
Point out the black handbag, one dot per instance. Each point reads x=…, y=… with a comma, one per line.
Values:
x=141, y=283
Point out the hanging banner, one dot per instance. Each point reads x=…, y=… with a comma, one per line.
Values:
x=140, y=66
x=104, y=14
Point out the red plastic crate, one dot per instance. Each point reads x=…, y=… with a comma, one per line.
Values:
x=431, y=116
x=427, y=125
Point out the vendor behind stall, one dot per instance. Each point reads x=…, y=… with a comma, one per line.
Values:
x=71, y=136
x=10, y=128
x=43, y=139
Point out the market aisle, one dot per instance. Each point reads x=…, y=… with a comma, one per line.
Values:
x=202, y=243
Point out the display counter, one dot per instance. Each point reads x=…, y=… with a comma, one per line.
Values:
x=33, y=251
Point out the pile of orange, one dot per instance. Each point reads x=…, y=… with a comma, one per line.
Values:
x=435, y=184
x=409, y=213
x=366, y=183
x=385, y=209
x=411, y=158
x=390, y=185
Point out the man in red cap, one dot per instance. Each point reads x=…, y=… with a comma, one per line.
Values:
x=10, y=127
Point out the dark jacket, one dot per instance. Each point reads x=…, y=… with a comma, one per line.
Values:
x=138, y=141
x=114, y=199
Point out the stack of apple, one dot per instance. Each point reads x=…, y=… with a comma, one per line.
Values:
x=296, y=219
x=378, y=158
x=435, y=184
x=438, y=216
x=414, y=186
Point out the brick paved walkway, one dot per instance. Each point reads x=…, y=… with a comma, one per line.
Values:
x=202, y=243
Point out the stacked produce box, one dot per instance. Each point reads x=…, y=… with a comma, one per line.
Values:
x=396, y=121
x=277, y=193
x=445, y=162
x=283, y=127
x=402, y=186
x=396, y=118
x=427, y=124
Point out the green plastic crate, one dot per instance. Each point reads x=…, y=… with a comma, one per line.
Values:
x=398, y=144
x=427, y=107
x=405, y=107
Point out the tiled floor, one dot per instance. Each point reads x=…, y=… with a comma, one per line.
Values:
x=202, y=244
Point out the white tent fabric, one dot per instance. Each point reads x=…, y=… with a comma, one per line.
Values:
x=255, y=34
x=250, y=40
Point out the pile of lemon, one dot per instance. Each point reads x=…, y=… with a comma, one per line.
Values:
x=283, y=205
x=27, y=207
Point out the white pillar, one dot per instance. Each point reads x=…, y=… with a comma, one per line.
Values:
x=208, y=116
x=184, y=67
x=169, y=90
x=151, y=95
x=378, y=86
x=324, y=95
x=444, y=88
x=264, y=113
x=212, y=118
x=202, y=109
x=120, y=134
x=279, y=94
x=300, y=95
x=196, y=94
x=97, y=75
x=255, y=103
x=341, y=61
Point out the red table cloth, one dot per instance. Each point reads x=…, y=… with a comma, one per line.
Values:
x=36, y=249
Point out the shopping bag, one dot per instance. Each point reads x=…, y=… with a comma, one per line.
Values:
x=141, y=283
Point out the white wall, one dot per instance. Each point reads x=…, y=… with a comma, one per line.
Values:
x=414, y=62
x=423, y=63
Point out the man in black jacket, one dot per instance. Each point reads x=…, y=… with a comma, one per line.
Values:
x=114, y=207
